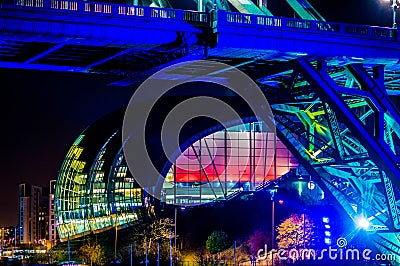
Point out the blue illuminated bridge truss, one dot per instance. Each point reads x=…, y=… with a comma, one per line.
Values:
x=330, y=85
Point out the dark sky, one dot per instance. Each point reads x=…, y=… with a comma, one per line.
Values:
x=43, y=112
x=369, y=12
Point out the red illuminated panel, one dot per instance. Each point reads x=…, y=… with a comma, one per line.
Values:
x=236, y=158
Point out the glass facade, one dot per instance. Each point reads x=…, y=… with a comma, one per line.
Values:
x=221, y=164
x=95, y=191
x=95, y=198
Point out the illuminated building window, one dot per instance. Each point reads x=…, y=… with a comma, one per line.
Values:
x=95, y=191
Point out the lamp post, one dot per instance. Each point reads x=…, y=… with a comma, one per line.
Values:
x=273, y=191
x=170, y=248
x=394, y=6
x=2, y=240
x=175, y=220
x=116, y=239
x=69, y=249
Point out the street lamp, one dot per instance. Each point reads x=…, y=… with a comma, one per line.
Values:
x=273, y=191
x=394, y=6
x=362, y=222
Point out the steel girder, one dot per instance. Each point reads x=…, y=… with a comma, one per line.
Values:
x=345, y=134
x=207, y=5
x=161, y=3
x=305, y=10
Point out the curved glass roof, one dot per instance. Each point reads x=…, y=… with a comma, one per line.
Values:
x=95, y=190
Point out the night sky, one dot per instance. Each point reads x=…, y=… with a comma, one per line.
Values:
x=43, y=112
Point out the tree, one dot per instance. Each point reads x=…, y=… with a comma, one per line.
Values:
x=38, y=258
x=92, y=253
x=258, y=240
x=312, y=197
x=217, y=242
x=149, y=233
x=58, y=256
x=296, y=231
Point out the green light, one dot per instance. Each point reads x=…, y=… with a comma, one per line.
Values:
x=299, y=188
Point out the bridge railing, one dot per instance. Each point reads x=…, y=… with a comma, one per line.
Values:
x=30, y=3
x=196, y=17
x=210, y=19
x=118, y=9
x=304, y=25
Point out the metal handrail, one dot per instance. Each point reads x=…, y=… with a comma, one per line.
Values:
x=224, y=18
x=235, y=18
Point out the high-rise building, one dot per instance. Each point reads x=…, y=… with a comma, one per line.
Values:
x=52, y=219
x=7, y=236
x=33, y=213
x=43, y=224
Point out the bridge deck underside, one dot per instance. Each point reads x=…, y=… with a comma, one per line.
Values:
x=96, y=37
